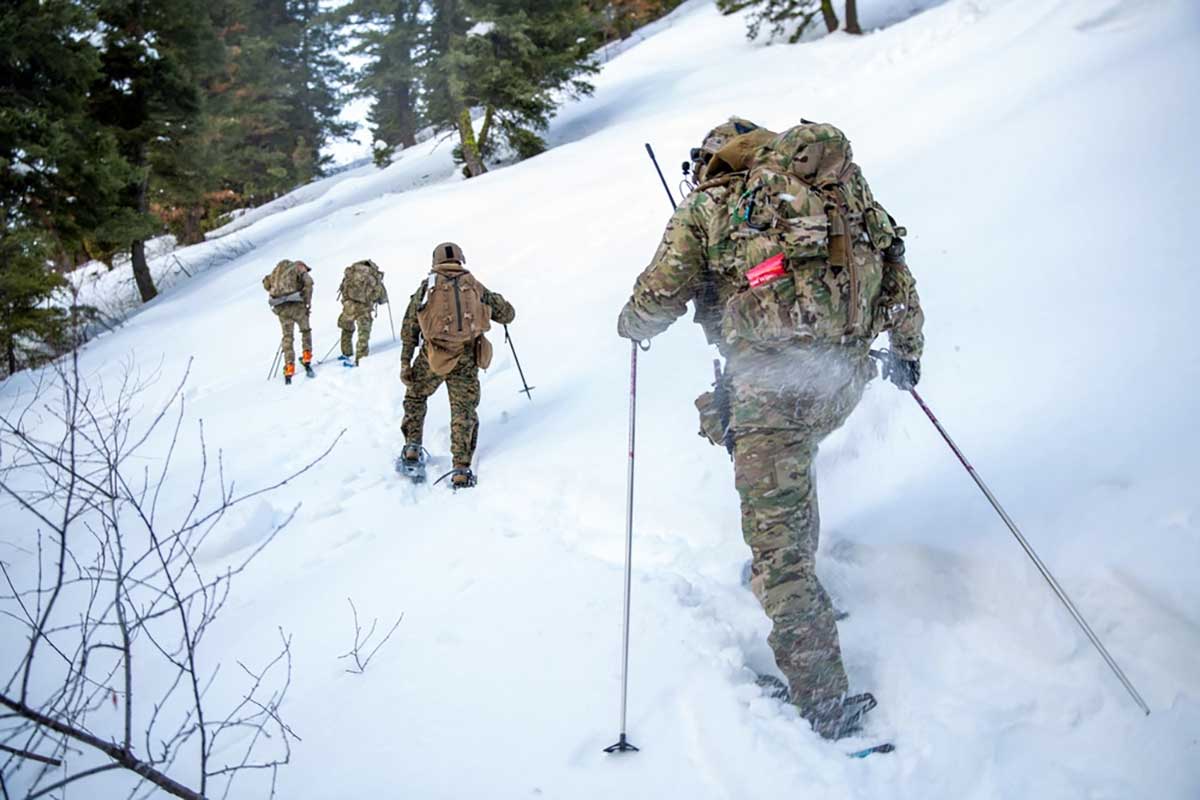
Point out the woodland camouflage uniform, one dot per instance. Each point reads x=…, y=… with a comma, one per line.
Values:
x=462, y=382
x=292, y=315
x=357, y=313
x=782, y=401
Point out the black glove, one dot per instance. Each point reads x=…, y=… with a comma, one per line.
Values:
x=905, y=374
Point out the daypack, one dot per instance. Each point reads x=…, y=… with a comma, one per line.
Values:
x=361, y=282
x=807, y=238
x=452, y=316
x=283, y=280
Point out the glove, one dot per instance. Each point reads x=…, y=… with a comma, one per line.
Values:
x=905, y=374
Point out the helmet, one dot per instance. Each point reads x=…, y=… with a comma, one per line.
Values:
x=715, y=139
x=447, y=252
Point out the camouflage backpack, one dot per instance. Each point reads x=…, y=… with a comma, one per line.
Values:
x=283, y=280
x=452, y=315
x=361, y=281
x=807, y=237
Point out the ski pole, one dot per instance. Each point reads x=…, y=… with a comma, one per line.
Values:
x=623, y=745
x=885, y=357
x=623, y=741
x=275, y=361
x=657, y=168
x=526, y=391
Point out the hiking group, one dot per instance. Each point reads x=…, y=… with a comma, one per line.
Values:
x=444, y=327
x=793, y=269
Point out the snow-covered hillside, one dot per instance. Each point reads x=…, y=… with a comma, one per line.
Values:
x=1042, y=154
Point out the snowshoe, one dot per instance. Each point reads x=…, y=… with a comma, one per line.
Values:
x=841, y=718
x=886, y=747
x=460, y=478
x=774, y=688
x=411, y=463
x=309, y=371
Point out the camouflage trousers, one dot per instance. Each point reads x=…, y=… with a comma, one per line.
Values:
x=291, y=315
x=462, y=384
x=774, y=474
x=356, y=315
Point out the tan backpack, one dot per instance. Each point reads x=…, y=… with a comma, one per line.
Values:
x=453, y=316
x=283, y=280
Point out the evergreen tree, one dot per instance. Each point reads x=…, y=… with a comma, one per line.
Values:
x=388, y=33
x=510, y=59
x=149, y=97
x=315, y=76
x=790, y=18
x=60, y=175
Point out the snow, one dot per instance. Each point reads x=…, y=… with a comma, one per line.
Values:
x=1041, y=155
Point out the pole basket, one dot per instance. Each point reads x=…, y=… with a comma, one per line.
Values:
x=622, y=746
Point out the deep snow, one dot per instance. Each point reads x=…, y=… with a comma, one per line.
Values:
x=1042, y=155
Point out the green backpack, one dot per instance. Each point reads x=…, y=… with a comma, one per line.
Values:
x=361, y=282
x=807, y=237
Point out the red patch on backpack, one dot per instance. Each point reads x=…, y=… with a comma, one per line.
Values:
x=767, y=271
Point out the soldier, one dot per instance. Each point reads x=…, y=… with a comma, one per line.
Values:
x=794, y=270
x=361, y=292
x=291, y=288
x=447, y=318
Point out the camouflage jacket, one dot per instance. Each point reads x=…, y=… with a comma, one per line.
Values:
x=410, y=329
x=696, y=261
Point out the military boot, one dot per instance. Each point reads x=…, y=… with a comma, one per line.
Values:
x=462, y=478
x=289, y=370
x=306, y=360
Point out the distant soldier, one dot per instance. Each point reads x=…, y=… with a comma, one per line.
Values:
x=794, y=270
x=447, y=318
x=291, y=288
x=361, y=292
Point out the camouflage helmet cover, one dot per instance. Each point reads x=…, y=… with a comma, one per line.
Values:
x=448, y=252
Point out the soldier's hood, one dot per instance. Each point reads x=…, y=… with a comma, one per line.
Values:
x=737, y=154
x=450, y=269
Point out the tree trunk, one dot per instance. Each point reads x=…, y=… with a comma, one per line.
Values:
x=852, y=25
x=193, y=216
x=470, y=148
x=408, y=127
x=486, y=129
x=141, y=270
x=831, y=20
x=10, y=354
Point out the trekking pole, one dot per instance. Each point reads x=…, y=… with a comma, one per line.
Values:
x=526, y=391
x=623, y=745
x=275, y=361
x=325, y=357
x=670, y=196
x=391, y=323
x=885, y=357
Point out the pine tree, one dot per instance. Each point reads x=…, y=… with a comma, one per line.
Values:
x=31, y=329
x=388, y=33
x=512, y=60
x=316, y=74
x=149, y=97
x=790, y=18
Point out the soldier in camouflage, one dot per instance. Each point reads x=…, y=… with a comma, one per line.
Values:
x=361, y=292
x=459, y=371
x=780, y=402
x=293, y=311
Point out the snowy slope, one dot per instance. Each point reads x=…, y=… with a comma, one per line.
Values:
x=1042, y=156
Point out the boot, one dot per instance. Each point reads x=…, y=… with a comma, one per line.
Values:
x=462, y=478
x=411, y=454
x=289, y=370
